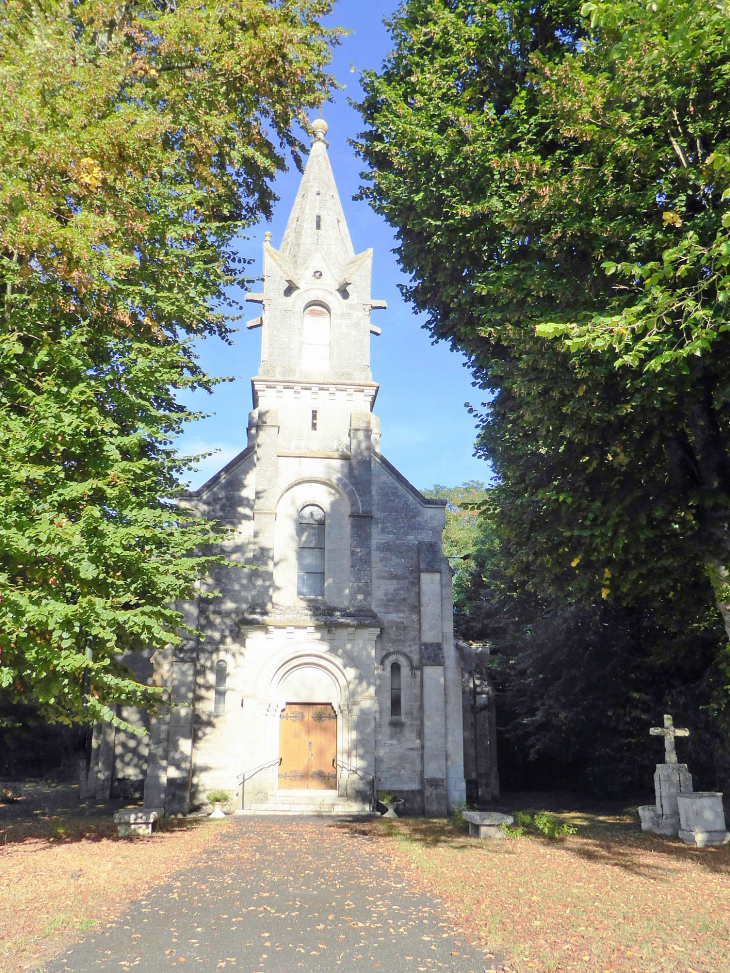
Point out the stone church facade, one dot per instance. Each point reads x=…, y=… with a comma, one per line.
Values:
x=328, y=668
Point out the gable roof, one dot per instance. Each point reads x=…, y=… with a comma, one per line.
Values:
x=414, y=492
x=220, y=475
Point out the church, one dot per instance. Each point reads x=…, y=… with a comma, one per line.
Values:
x=328, y=669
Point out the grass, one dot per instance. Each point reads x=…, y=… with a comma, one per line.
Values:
x=607, y=899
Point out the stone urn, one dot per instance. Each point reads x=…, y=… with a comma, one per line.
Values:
x=391, y=806
x=217, y=814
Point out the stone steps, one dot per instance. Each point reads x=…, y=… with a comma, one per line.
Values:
x=302, y=796
x=327, y=808
x=302, y=801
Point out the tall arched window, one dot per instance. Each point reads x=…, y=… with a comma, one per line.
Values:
x=316, y=339
x=395, y=691
x=221, y=677
x=310, y=562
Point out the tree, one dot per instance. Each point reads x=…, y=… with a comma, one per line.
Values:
x=466, y=534
x=525, y=159
x=137, y=140
x=657, y=117
x=577, y=685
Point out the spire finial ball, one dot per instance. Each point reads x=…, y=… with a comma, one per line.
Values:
x=319, y=127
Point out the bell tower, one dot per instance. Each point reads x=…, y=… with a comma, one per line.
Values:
x=340, y=616
x=316, y=305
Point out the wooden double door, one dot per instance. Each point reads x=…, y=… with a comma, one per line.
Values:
x=308, y=746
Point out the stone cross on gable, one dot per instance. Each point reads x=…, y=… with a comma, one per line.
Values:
x=669, y=731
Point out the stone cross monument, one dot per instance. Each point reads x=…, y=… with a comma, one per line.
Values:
x=696, y=817
x=669, y=732
x=670, y=780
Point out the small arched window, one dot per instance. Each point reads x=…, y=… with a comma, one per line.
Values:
x=310, y=561
x=221, y=678
x=395, y=691
x=316, y=339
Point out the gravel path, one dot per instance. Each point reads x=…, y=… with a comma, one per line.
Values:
x=278, y=895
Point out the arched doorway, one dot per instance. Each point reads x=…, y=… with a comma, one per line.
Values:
x=308, y=729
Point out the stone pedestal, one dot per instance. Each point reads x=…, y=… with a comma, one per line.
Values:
x=702, y=819
x=136, y=821
x=487, y=824
x=670, y=780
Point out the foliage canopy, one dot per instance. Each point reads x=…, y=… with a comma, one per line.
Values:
x=137, y=140
x=558, y=172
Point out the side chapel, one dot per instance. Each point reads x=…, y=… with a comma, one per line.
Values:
x=329, y=668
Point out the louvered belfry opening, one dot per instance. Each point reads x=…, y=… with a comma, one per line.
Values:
x=310, y=564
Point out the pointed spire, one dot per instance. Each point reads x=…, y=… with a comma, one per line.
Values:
x=317, y=221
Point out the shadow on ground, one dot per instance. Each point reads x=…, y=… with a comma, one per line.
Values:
x=607, y=834
x=52, y=812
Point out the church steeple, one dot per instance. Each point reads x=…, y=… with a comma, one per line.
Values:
x=316, y=293
x=317, y=221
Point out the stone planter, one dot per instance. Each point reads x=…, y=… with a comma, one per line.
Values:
x=702, y=819
x=487, y=824
x=217, y=814
x=391, y=806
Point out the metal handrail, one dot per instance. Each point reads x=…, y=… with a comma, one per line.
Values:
x=252, y=771
x=360, y=773
x=351, y=769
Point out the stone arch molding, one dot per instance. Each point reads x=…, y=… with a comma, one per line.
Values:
x=333, y=663
x=336, y=482
x=317, y=294
x=337, y=507
x=223, y=653
x=396, y=655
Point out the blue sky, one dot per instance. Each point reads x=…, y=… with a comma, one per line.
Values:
x=426, y=431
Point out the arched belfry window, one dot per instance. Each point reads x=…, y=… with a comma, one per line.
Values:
x=316, y=339
x=310, y=562
x=395, y=691
x=221, y=677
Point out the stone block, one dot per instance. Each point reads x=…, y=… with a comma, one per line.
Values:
x=667, y=824
x=429, y=556
x=432, y=653
x=702, y=819
x=648, y=817
x=434, y=794
x=132, y=821
x=487, y=824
